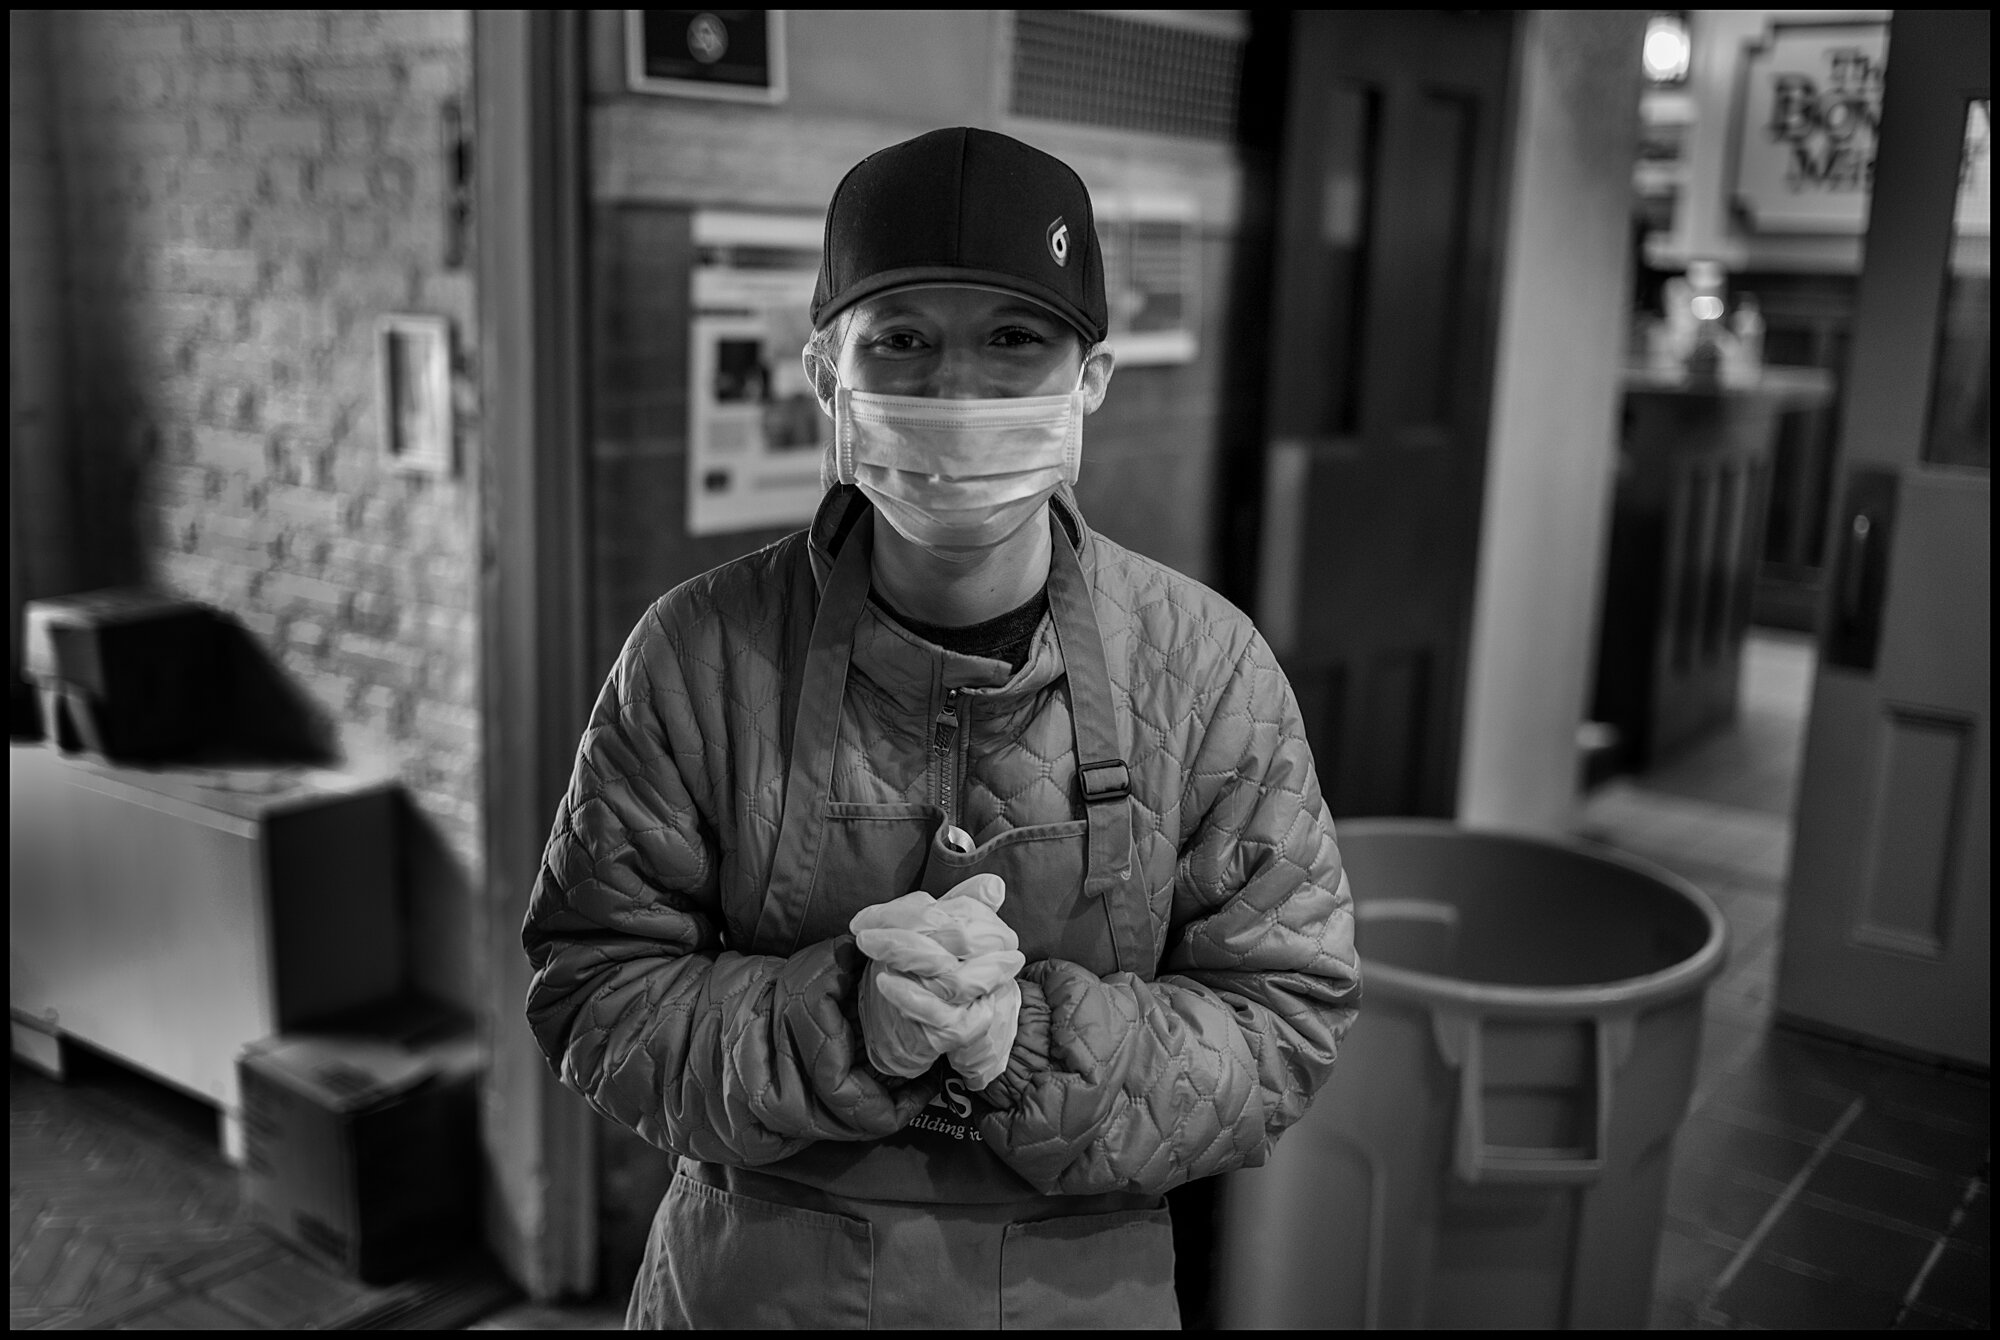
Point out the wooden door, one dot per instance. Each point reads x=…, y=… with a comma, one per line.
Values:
x=1381, y=356
x=1888, y=918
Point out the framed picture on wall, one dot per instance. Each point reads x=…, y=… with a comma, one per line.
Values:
x=413, y=393
x=1808, y=102
x=737, y=55
x=1806, y=110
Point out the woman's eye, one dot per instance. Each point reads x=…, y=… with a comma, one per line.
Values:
x=1015, y=337
x=899, y=341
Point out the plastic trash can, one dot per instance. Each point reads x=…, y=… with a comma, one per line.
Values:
x=1493, y=1147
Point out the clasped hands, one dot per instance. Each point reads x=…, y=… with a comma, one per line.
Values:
x=940, y=981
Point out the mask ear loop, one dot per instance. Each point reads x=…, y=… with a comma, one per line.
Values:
x=1084, y=367
x=841, y=464
x=843, y=434
x=1073, y=438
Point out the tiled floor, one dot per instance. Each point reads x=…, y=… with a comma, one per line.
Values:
x=1814, y=1184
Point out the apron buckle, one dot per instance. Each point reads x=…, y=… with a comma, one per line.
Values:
x=1109, y=780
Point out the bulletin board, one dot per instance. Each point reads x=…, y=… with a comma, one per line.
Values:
x=755, y=430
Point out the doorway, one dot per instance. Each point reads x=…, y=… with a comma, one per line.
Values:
x=1815, y=1180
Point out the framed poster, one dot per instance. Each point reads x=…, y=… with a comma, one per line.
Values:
x=1810, y=100
x=413, y=393
x=737, y=55
x=756, y=433
x=1807, y=108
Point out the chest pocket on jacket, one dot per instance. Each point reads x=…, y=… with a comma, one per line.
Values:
x=874, y=853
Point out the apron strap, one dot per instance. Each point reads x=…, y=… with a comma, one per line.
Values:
x=800, y=609
x=1101, y=771
x=814, y=691
x=801, y=604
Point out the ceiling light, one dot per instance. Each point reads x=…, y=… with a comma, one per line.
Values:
x=1667, y=48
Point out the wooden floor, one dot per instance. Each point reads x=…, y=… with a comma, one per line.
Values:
x=1814, y=1185
x=123, y=1215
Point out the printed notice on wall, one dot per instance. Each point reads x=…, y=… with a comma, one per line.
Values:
x=755, y=431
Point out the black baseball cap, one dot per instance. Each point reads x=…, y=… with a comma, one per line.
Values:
x=964, y=206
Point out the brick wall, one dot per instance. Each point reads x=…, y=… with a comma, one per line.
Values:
x=245, y=193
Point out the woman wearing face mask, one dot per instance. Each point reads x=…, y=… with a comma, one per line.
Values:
x=944, y=882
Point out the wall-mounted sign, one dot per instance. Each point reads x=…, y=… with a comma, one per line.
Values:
x=755, y=430
x=1150, y=274
x=1808, y=107
x=413, y=393
x=734, y=54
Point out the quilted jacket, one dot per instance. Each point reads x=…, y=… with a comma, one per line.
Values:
x=650, y=1000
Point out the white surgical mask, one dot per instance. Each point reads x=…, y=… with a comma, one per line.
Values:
x=957, y=477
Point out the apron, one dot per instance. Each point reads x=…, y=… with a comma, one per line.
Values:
x=927, y=1226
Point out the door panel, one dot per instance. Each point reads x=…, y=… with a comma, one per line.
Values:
x=1381, y=358
x=1919, y=804
x=1888, y=917
x=1428, y=255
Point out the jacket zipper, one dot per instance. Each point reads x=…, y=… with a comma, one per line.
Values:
x=944, y=746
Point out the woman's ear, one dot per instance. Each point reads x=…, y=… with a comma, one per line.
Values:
x=820, y=373
x=1098, y=363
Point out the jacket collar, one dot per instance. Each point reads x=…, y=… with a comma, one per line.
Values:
x=840, y=512
x=900, y=662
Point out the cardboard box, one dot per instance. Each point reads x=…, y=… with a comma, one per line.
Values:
x=123, y=673
x=359, y=1150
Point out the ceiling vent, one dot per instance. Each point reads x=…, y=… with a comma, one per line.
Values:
x=1128, y=74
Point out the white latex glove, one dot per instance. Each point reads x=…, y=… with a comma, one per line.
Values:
x=942, y=981
x=976, y=1037
x=898, y=1042
x=918, y=1003
x=951, y=979
x=966, y=921
x=997, y=1015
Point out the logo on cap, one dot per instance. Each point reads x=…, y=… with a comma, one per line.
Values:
x=1059, y=242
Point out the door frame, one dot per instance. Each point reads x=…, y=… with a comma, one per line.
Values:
x=539, y=1139
x=1905, y=296
x=1898, y=305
